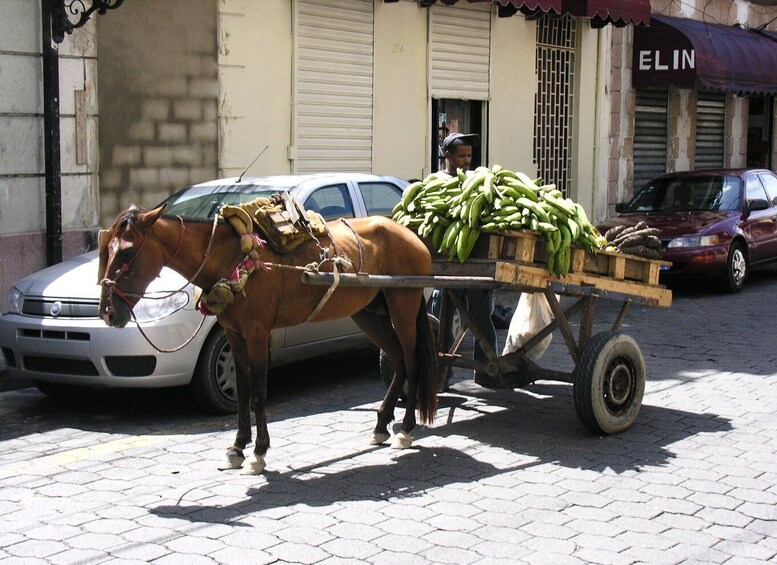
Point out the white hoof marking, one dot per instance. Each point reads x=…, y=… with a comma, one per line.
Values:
x=379, y=438
x=255, y=466
x=401, y=441
x=232, y=460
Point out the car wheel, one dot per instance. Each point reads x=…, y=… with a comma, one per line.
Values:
x=387, y=369
x=736, y=268
x=214, y=384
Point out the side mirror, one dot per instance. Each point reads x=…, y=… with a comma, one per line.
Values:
x=620, y=207
x=757, y=204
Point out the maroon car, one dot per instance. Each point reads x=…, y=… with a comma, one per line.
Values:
x=713, y=222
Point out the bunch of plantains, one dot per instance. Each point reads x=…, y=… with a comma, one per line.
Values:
x=454, y=212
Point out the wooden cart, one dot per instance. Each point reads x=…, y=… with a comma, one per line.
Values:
x=608, y=377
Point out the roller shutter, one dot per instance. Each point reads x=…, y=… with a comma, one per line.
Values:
x=650, y=135
x=333, y=84
x=710, y=128
x=460, y=51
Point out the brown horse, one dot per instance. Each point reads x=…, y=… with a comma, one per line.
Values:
x=141, y=243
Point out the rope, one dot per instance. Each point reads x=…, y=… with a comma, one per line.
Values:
x=174, y=349
x=112, y=289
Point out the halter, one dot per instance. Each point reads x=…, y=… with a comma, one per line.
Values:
x=111, y=285
x=111, y=288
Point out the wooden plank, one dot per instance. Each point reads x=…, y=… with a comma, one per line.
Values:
x=537, y=278
x=525, y=249
x=652, y=273
x=578, y=260
x=617, y=268
x=494, y=246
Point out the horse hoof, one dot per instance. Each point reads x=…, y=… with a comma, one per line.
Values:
x=255, y=466
x=232, y=460
x=379, y=438
x=402, y=441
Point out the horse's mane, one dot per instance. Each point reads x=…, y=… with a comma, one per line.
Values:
x=192, y=220
x=128, y=218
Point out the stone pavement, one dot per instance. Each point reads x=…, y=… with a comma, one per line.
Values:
x=501, y=476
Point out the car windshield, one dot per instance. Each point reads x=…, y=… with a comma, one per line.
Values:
x=703, y=192
x=204, y=201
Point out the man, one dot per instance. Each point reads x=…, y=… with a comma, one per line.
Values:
x=457, y=149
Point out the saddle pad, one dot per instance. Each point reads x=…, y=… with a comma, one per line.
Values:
x=280, y=220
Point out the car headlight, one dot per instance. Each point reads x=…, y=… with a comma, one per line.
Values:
x=159, y=305
x=13, y=302
x=694, y=241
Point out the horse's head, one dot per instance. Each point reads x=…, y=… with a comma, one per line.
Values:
x=130, y=258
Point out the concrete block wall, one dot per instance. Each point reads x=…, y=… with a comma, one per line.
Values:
x=22, y=155
x=158, y=100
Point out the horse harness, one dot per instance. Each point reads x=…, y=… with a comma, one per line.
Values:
x=221, y=294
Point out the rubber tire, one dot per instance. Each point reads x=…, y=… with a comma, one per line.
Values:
x=387, y=369
x=609, y=354
x=737, y=258
x=213, y=384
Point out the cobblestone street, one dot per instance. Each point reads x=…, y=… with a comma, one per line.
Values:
x=501, y=476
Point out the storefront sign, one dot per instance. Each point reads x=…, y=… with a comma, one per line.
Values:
x=663, y=56
x=666, y=59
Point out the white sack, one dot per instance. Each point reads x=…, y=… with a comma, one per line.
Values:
x=531, y=315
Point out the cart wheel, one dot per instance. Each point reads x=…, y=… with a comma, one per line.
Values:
x=387, y=370
x=609, y=382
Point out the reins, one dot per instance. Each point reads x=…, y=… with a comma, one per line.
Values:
x=337, y=261
x=112, y=289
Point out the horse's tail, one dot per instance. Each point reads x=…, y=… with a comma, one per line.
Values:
x=426, y=354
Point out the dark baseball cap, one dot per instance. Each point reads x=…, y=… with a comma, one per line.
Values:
x=455, y=139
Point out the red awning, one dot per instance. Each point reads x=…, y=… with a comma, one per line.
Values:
x=694, y=54
x=602, y=12
x=506, y=7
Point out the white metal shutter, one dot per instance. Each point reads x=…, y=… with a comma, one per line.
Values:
x=460, y=51
x=710, y=128
x=650, y=134
x=333, y=83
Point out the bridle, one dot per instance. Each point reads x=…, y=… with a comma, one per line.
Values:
x=111, y=288
x=111, y=285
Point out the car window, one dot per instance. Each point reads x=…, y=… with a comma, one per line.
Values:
x=754, y=189
x=380, y=197
x=646, y=199
x=331, y=202
x=770, y=184
x=686, y=193
x=204, y=201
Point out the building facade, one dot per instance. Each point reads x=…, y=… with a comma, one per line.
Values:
x=188, y=90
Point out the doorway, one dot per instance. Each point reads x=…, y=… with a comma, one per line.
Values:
x=760, y=125
x=452, y=116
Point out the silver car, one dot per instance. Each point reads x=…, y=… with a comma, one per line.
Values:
x=50, y=332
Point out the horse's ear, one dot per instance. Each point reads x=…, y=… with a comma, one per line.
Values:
x=148, y=218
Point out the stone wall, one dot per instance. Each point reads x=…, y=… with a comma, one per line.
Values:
x=158, y=101
x=22, y=156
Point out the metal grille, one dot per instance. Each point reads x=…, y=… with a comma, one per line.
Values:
x=650, y=134
x=553, y=112
x=710, y=128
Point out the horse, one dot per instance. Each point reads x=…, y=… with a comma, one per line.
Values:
x=141, y=242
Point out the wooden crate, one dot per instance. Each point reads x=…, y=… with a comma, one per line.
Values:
x=519, y=257
x=528, y=248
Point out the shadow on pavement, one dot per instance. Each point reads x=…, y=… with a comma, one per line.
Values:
x=534, y=430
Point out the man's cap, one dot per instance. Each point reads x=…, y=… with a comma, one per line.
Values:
x=456, y=139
